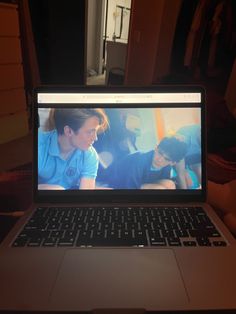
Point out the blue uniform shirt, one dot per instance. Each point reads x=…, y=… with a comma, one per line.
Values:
x=134, y=170
x=52, y=169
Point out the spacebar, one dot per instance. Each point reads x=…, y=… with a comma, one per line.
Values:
x=111, y=242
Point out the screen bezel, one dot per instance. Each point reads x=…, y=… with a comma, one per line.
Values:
x=119, y=196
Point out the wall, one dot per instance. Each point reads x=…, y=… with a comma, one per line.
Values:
x=13, y=106
x=145, y=26
x=91, y=34
x=59, y=28
x=165, y=42
x=152, y=29
x=94, y=34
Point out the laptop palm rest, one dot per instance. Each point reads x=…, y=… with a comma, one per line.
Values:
x=118, y=278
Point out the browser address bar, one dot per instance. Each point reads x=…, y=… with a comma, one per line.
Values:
x=110, y=98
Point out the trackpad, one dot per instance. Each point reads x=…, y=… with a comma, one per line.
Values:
x=118, y=278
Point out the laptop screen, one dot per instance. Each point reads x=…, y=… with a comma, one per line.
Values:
x=119, y=142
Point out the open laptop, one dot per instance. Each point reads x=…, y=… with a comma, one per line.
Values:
x=119, y=220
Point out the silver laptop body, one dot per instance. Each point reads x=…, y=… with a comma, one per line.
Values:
x=134, y=278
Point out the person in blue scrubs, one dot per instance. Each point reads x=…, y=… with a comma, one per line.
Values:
x=66, y=156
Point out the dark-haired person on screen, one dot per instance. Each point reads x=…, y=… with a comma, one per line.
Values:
x=148, y=170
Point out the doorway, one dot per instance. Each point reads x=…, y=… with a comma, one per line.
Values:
x=107, y=39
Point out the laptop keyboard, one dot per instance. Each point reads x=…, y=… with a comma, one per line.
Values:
x=118, y=226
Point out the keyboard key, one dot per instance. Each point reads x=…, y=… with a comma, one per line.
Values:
x=50, y=242
x=209, y=232
x=203, y=241
x=167, y=233
x=158, y=242
x=174, y=241
x=181, y=233
x=20, y=242
x=189, y=243
x=56, y=234
x=66, y=242
x=53, y=226
x=219, y=243
x=109, y=242
x=34, y=242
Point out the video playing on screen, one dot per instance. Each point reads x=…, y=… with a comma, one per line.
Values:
x=119, y=148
